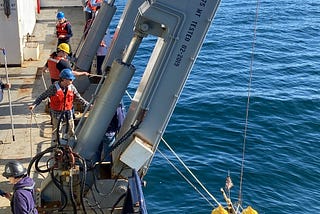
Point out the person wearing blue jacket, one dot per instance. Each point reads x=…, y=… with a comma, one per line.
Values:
x=22, y=201
x=108, y=140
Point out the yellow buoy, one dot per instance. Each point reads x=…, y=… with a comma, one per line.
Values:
x=249, y=210
x=219, y=210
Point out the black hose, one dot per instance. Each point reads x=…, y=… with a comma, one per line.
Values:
x=82, y=161
x=59, y=186
x=73, y=202
x=125, y=136
x=37, y=165
x=58, y=127
x=38, y=156
x=83, y=181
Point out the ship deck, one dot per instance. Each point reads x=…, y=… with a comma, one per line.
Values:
x=32, y=131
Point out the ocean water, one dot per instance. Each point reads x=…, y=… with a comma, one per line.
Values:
x=281, y=162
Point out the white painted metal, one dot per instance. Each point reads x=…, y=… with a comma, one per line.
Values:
x=125, y=27
x=60, y=3
x=14, y=29
x=136, y=154
x=181, y=27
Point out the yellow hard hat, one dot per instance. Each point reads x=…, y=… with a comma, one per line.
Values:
x=64, y=47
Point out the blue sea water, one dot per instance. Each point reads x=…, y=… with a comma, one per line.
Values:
x=281, y=164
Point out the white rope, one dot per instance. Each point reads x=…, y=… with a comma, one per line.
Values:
x=186, y=167
x=37, y=124
x=191, y=184
x=130, y=97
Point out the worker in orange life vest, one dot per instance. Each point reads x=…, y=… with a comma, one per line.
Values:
x=63, y=29
x=59, y=61
x=62, y=95
x=90, y=8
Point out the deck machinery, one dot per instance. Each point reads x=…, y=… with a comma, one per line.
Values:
x=77, y=184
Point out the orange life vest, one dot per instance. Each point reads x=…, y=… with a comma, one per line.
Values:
x=93, y=8
x=52, y=67
x=61, y=101
x=61, y=28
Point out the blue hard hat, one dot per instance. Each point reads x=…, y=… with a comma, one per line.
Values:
x=60, y=15
x=67, y=74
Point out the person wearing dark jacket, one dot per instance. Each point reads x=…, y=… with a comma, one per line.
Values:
x=62, y=94
x=58, y=61
x=3, y=86
x=63, y=29
x=102, y=154
x=22, y=201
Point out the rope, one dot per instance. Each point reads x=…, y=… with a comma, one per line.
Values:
x=191, y=184
x=248, y=104
x=36, y=122
x=186, y=167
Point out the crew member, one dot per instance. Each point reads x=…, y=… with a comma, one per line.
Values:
x=102, y=154
x=61, y=95
x=3, y=86
x=103, y=50
x=90, y=8
x=63, y=30
x=58, y=61
x=22, y=200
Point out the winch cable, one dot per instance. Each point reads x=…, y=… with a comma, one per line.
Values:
x=190, y=172
x=93, y=206
x=187, y=180
x=248, y=103
x=186, y=167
